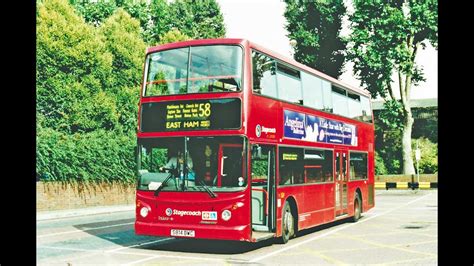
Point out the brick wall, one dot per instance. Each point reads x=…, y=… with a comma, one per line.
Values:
x=59, y=196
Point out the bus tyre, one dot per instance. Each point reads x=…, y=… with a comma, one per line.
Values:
x=357, y=208
x=287, y=224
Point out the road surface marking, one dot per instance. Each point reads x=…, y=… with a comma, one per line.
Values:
x=76, y=231
x=140, y=244
x=142, y=260
x=336, y=230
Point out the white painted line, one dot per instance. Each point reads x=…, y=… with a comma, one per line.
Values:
x=74, y=213
x=76, y=231
x=191, y=257
x=142, y=260
x=335, y=230
x=141, y=244
x=72, y=249
x=167, y=256
x=91, y=253
x=149, y=256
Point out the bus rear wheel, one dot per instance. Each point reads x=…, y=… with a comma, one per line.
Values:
x=287, y=224
x=357, y=208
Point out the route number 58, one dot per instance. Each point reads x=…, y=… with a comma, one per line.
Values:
x=204, y=109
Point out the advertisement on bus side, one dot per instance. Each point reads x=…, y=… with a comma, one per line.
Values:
x=317, y=129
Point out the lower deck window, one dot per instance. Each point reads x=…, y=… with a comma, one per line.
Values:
x=358, y=168
x=298, y=166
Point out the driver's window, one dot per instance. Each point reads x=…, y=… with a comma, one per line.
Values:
x=153, y=158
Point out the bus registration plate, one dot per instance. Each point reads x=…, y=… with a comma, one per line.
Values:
x=185, y=233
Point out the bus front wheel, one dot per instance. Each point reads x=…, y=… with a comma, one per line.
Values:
x=287, y=224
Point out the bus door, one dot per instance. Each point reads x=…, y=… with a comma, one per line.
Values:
x=341, y=178
x=263, y=187
x=230, y=167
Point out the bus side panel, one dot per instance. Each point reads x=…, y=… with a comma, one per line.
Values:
x=329, y=195
x=266, y=119
x=312, y=213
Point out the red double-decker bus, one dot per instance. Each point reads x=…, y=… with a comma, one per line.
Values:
x=236, y=142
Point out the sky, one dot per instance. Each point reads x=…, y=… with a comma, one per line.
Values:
x=262, y=22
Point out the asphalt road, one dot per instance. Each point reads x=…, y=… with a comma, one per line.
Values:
x=401, y=229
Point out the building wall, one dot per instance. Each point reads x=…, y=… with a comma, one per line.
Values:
x=59, y=196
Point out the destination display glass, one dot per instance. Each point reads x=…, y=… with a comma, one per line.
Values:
x=210, y=114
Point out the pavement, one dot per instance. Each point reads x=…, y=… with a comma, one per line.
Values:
x=402, y=229
x=49, y=215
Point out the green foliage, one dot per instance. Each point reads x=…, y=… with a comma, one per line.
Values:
x=197, y=19
x=122, y=36
x=385, y=38
x=87, y=78
x=380, y=168
x=72, y=68
x=428, y=163
x=160, y=21
x=388, y=148
x=316, y=25
x=259, y=169
x=96, y=156
x=95, y=12
x=426, y=127
x=173, y=35
x=392, y=115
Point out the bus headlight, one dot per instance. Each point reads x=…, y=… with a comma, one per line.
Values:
x=226, y=214
x=144, y=211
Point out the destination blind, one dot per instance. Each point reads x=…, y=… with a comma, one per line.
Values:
x=191, y=115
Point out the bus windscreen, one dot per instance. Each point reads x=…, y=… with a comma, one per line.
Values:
x=195, y=69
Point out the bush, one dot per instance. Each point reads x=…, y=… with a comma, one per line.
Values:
x=428, y=163
x=88, y=157
x=388, y=148
x=380, y=168
x=73, y=68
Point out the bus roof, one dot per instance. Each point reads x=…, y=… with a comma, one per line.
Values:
x=267, y=51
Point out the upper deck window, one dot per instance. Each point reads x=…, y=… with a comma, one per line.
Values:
x=281, y=80
x=339, y=99
x=289, y=84
x=264, y=75
x=195, y=69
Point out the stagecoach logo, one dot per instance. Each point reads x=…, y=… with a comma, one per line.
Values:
x=258, y=131
x=170, y=212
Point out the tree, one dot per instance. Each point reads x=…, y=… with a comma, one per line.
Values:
x=197, y=19
x=315, y=26
x=386, y=36
x=153, y=16
x=173, y=35
x=72, y=68
x=123, y=41
x=122, y=37
x=95, y=12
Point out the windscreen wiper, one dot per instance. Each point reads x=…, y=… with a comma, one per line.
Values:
x=209, y=191
x=163, y=184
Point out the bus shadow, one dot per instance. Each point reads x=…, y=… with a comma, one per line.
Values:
x=122, y=233
x=322, y=227
x=224, y=247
